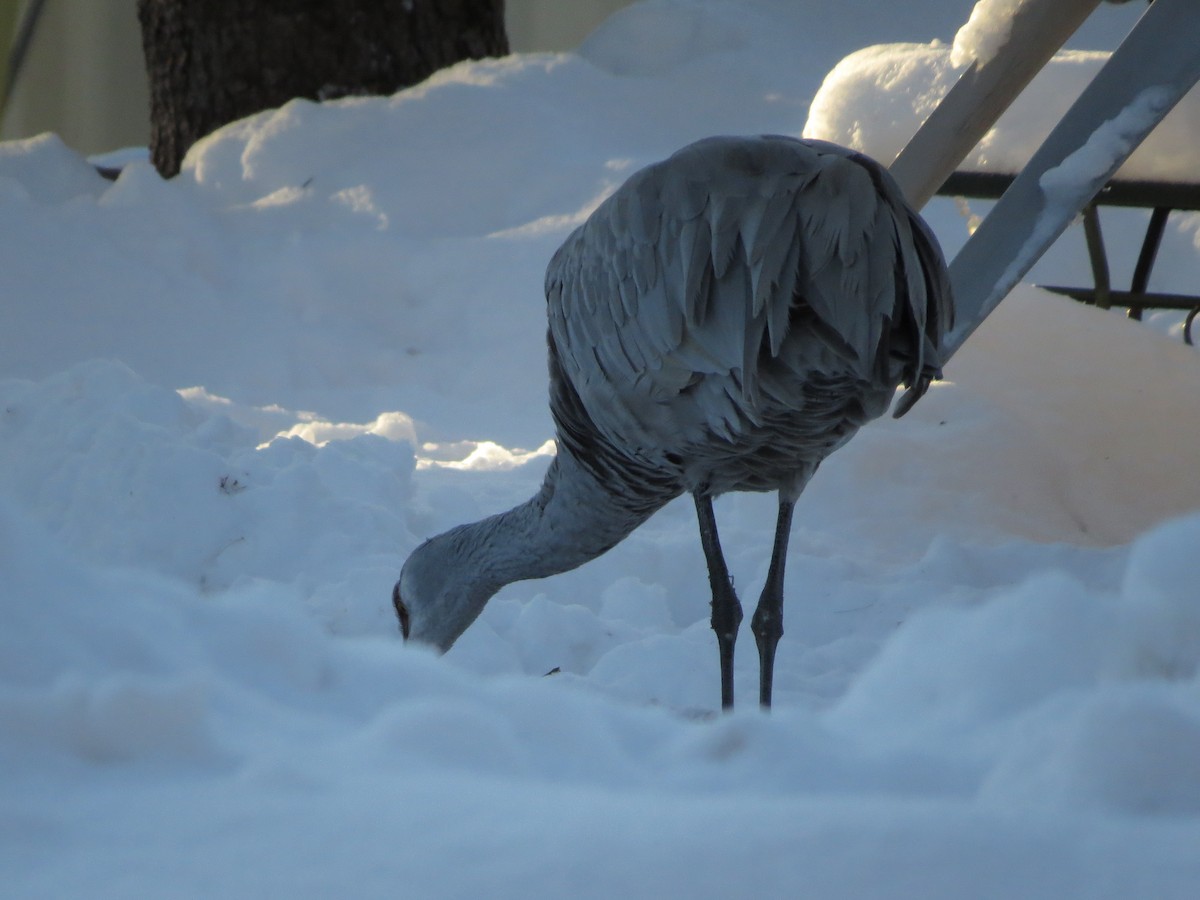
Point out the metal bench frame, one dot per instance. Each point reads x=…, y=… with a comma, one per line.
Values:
x=1162, y=198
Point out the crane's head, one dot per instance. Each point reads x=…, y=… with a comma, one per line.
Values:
x=440, y=591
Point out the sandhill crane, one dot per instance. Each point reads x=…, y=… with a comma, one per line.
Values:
x=723, y=322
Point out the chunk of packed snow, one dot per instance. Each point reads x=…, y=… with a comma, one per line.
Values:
x=985, y=32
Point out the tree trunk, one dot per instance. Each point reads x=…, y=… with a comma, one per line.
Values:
x=213, y=61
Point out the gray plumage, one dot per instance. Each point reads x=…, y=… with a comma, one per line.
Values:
x=724, y=321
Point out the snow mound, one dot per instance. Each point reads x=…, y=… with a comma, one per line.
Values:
x=46, y=170
x=875, y=99
x=137, y=476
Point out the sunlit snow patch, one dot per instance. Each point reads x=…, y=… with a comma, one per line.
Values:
x=395, y=426
x=484, y=456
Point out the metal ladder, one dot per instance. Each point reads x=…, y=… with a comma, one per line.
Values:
x=1156, y=64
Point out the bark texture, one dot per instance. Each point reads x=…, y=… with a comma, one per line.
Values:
x=213, y=61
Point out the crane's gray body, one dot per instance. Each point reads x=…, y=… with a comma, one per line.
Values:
x=735, y=313
x=723, y=322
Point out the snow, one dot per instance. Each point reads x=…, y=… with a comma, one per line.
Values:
x=231, y=404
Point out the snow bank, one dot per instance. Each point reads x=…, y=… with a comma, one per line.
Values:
x=928, y=706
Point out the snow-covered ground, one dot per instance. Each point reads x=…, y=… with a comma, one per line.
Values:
x=231, y=404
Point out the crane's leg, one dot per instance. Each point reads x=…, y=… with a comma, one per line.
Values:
x=767, y=622
x=726, y=610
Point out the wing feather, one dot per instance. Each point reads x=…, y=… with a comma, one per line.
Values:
x=698, y=267
x=695, y=238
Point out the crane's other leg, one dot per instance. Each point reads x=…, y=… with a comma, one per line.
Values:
x=726, y=610
x=767, y=622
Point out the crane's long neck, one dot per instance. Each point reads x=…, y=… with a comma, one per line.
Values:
x=574, y=517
